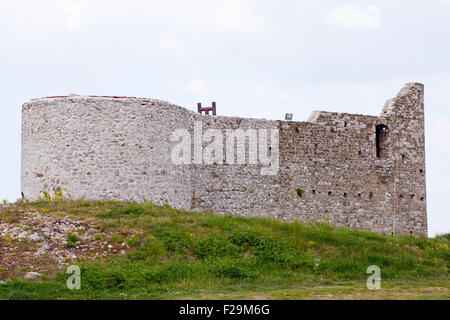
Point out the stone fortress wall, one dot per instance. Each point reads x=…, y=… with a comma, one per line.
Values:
x=357, y=171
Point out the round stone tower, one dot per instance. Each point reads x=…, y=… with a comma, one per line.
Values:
x=103, y=148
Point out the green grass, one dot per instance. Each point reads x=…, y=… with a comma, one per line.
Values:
x=175, y=253
x=72, y=239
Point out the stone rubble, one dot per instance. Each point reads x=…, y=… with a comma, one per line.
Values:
x=38, y=236
x=32, y=276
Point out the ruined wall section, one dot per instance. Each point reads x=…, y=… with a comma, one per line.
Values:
x=404, y=117
x=234, y=188
x=341, y=121
x=335, y=170
x=396, y=207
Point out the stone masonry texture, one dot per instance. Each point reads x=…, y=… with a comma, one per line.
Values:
x=119, y=148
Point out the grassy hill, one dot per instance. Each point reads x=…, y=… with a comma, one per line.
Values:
x=168, y=253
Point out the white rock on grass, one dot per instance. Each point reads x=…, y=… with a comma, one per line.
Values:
x=22, y=235
x=32, y=276
x=34, y=237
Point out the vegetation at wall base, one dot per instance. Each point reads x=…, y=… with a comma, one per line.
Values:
x=193, y=255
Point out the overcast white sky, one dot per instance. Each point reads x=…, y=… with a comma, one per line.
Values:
x=255, y=58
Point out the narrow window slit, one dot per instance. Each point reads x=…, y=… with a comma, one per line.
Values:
x=380, y=137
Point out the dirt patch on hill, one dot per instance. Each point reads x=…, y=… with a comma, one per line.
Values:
x=45, y=242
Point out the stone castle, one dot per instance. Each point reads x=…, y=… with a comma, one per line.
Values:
x=357, y=171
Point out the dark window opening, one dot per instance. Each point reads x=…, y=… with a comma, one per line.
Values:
x=329, y=193
x=380, y=138
x=421, y=199
x=421, y=171
x=314, y=191
x=412, y=196
x=410, y=233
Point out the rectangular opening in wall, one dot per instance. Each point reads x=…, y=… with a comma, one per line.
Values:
x=381, y=130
